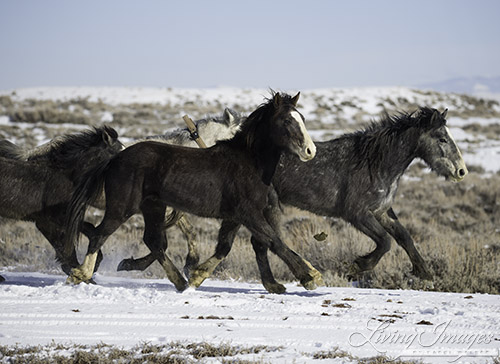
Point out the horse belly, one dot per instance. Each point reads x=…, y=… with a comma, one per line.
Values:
x=28, y=198
x=199, y=196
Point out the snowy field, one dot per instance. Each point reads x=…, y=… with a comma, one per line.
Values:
x=434, y=327
x=326, y=105
x=428, y=326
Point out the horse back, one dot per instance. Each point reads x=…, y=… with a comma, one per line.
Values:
x=206, y=182
x=335, y=183
x=28, y=189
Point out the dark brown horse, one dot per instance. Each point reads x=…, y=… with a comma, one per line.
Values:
x=230, y=181
x=37, y=185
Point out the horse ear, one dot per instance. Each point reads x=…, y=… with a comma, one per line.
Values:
x=107, y=138
x=435, y=116
x=277, y=99
x=295, y=99
x=228, y=116
x=445, y=112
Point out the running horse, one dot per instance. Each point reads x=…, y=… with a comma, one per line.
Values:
x=37, y=185
x=230, y=181
x=356, y=176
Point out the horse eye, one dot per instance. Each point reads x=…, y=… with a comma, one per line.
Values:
x=443, y=140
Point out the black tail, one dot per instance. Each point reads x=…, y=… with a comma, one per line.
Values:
x=87, y=190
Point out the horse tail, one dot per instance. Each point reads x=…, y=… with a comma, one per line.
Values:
x=86, y=192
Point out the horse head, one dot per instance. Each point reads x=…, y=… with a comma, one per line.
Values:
x=213, y=129
x=437, y=147
x=287, y=127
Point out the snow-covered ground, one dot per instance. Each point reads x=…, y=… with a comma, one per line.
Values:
x=434, y=327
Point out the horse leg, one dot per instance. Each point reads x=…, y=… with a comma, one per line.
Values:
x=136, y=264
x=192, y=258
x=269, y=236
x=53, y=234
x=391, y=224
x=273, y=215
x=370, y=226
x=266, y=275
x=156, y=240
x=144, y=262
x=227, y=233
x=87, y=230
x=113, y=218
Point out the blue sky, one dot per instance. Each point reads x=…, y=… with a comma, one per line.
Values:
x=279, y=44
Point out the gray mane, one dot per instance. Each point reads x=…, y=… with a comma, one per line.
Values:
x=382, y=137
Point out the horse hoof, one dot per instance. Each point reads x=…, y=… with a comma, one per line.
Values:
x=318, y=278
x=2, y=279
x=422, y=273
x=309, y=285
x=125, y=264
x=195, y=281
x=313, y=280
x=274, y=287
x=363, y=265
x=181, y=286
x=73, y=280
x=78, y=276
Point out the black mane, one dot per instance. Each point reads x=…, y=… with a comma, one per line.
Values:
x=258, y=121
x=67, y=149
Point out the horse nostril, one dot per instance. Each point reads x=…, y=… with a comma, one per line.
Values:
x=308, y=151
x=461, y=172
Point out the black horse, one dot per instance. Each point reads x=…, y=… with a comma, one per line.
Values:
x=356, y=176
x=37, y=185
x=230, y=181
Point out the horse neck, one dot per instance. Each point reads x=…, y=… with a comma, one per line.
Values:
x=256, y=142
x=396, y=156
x=267, y=158
x=43, y=152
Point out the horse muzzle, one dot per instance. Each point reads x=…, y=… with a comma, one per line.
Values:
x=307, y=152
x=460, y=173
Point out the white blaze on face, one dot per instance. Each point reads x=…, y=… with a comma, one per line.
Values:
x=309, y=149
x=453, y=140
x=461, y=167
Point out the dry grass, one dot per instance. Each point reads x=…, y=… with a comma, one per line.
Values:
x=173, y=353
x=456, y=227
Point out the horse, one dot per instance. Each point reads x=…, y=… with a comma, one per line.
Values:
x=230, y=181
x=37, y=185
x=211, y=128
x=355, y=177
